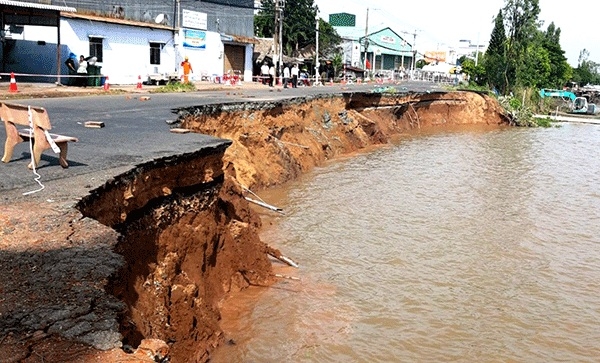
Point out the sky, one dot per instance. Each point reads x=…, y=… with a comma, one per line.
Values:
x=440, y=24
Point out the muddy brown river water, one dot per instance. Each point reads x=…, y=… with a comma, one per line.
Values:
x=466, y=246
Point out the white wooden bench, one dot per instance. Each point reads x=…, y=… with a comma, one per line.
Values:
x=15, y=114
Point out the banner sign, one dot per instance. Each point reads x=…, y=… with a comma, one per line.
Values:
x=194, y=19
x=194, y=39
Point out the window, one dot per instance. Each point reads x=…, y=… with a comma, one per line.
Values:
x=96, y=48
x=155, y=53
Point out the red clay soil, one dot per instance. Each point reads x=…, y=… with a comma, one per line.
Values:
x=276, y=142
x=136, y=270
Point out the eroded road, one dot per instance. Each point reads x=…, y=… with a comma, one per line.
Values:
x=135, y=129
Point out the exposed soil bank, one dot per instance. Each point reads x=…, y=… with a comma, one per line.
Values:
x=275, y=142
x=145, y=259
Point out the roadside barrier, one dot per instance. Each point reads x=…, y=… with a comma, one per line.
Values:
x=139, y=83
x=106, y=85
x=52, y=77
x=13, y=83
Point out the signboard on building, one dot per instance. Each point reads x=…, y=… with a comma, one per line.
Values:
x=433, y=56
x=388, y=39
x=194, y=20
x=194, y=39
x=342, y=19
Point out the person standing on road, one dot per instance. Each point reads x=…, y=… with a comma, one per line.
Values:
x=271, y=75
x=187, y=68
x=286, y=76
x=264, y=73
x=295, y=76
x=72, y=67
x=82, y=73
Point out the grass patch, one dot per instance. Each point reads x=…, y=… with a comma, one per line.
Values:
x=176, y=87
x=543, y=122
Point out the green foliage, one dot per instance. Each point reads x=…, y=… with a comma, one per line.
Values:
x=176, y=87
x=337, y=62
x=522, y=106
x=299, y=27
x=543, y=122
x=476, y=73
x=494, y=61
x=521, y=55
x=519, y=107
x=472, y=87
x=264, y=21
x=587, y=71
x=498, y=38
x=420, y=64
x=329, y=40
x=560, y=70
x=536, y=68
x=521, y=17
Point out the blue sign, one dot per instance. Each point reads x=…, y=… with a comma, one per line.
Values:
x=194, y=39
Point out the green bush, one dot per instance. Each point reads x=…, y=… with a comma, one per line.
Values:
x=176, y=87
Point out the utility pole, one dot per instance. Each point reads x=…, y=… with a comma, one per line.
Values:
x=477, y=50
x=176, y=35
x=278, y=36
x=276, y=32
x=414, y=65
x=281, y=8
x=317, y=65
x=414, y=50
x=366, y=41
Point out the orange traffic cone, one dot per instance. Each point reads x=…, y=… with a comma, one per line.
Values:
x=13, y=83
x=139, y=84
x=106, y=84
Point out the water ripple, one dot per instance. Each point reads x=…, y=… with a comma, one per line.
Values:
x=474, y=246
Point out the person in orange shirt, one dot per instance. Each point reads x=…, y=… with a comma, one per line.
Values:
x=187, y=68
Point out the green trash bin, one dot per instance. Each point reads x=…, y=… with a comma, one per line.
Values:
x=99, y=76
x=93, y=75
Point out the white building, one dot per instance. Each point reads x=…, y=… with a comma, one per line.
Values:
x=126, y=50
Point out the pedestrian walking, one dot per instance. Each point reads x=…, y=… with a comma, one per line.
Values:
x=187, y=68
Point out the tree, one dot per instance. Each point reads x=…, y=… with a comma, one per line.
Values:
x=298, y=27
x=560, y=70
x=329, y=40
x=536, y=69
x=264, y=21
x=495, y=57
x=587, y=72
x=522, y=23
x=476, y=73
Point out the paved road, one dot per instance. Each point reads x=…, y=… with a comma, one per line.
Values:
x=135, y=130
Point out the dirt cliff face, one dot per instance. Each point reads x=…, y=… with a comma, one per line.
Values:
x=187, y=239
x=275, y=142
x=143, y=261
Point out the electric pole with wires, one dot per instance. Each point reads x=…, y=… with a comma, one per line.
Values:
x=278, y=36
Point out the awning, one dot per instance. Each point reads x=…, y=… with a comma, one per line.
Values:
x=238, y=39
x=37, y=6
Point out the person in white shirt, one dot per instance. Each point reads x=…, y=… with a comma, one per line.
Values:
x=82, y=72
x=271, y=75
x=295, y=76
x=286, y=76
x=264, y=73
